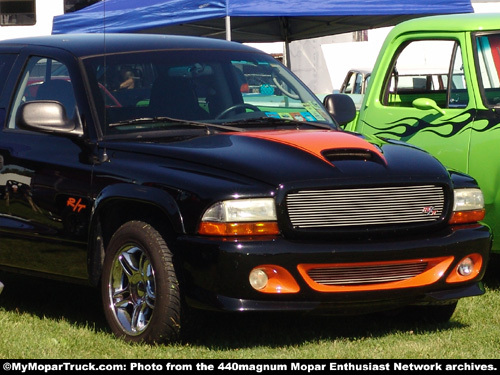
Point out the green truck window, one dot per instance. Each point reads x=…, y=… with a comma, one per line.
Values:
x=488, y=52
x=459, y=97
x=422, y=69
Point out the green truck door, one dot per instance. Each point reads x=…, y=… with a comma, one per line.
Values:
x=484, y=159
x=432, y=71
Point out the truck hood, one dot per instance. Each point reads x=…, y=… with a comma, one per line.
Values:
x=278, y=157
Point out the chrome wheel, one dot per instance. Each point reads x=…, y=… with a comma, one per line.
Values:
x=140, y=289
x=132, y=289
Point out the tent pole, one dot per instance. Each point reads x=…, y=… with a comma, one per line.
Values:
x=286, y=56
x=228, y=28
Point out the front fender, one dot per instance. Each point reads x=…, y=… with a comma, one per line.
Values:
x=139, y=193
x=131, y=195
x=461, y=180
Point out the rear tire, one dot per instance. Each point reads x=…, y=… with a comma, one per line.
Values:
x=139, y=286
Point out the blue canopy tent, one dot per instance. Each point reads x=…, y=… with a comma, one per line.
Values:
x=249, y=20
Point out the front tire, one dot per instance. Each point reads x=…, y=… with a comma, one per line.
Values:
x=139, y=287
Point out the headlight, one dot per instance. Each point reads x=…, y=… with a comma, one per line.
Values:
x=468, y=200
x=468, y=206
x=240, y=217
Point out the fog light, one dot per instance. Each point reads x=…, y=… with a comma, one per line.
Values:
x=466, y=267
x=258, y=279
x=270, y=278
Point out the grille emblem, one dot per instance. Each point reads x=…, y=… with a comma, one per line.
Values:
x=429, y=211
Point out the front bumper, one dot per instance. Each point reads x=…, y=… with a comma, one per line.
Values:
x=215, y=272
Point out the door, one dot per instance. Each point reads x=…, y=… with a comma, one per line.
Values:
x=44, y=180
x=424, y=69
x=485, y=139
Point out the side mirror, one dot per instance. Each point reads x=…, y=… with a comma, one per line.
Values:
x=425, y=104
x=341, y=107
x=45, y=116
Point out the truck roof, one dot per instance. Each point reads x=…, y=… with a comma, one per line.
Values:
x=450, y=22
x=98, y=43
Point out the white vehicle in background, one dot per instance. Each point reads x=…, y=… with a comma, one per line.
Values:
x=20, y=18
x=355, y=84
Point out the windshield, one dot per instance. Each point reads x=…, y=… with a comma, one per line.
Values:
x=141, y=92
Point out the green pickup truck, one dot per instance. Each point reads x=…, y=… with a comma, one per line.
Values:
x=436, y=85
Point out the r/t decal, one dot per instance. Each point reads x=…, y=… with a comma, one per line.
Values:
x=76, y=205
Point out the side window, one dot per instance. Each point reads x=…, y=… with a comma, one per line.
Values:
x=459, y=98
x=488, y=56
x=354, y=83
x=17, y=12
x=44, y=79
x=358, y=86
x=348, y=87
x=422, y=69
x=365, y=83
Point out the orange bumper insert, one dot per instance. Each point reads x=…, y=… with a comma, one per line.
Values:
x=370, y=276
x=456, y=277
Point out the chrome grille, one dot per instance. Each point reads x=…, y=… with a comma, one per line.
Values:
x=365, y=207
x=357, y=275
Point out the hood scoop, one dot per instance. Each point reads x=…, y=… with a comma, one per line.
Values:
x=346, y=154
x=330, y=146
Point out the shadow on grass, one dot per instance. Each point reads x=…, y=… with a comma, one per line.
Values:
x=76, y=304
x=225, y=332
x=81, y=306
x=492, y=276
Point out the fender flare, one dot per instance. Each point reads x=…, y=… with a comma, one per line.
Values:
x=149, y=195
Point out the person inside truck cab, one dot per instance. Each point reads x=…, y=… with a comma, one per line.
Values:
x=128, y=82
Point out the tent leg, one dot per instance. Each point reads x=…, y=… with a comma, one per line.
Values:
x=286, y=55
x=228, y=28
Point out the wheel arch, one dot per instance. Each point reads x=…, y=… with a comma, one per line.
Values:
x=120, y=203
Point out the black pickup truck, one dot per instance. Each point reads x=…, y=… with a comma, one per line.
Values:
x=179, y=173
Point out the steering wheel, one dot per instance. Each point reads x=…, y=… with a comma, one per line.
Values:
x=237, y=106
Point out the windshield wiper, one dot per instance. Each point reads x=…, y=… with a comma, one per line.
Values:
x=279, y=121
x=152, y=120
